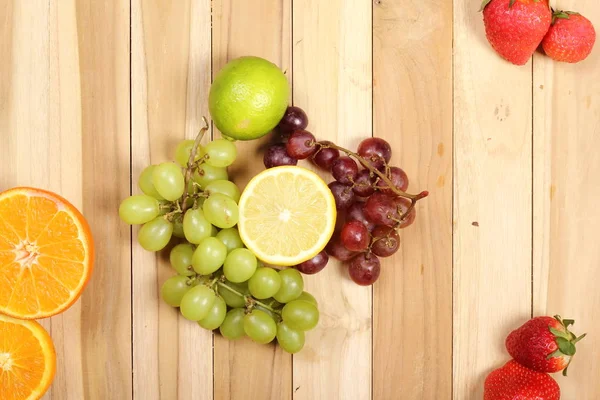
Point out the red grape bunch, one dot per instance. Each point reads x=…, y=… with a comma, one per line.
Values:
x=369, y=193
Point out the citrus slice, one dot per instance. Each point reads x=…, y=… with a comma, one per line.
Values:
x=287, y=215
x=27, y=359
x=46, y=253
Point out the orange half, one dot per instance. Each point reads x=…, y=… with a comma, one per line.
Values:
x=27, y=359
x=46, y=253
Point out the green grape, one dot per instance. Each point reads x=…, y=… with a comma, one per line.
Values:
x=305, y=296
x=178, y=227
x=221, y=153
x=138, y=209
x=164, y=207
x=145, y=183
x=233, y=325
x=197, y=302
x=181, y=259
x=232, y=299
x=195, y=226
x=239, y=265
x=168, y=180
x=264, y=283
x=183, y=150
x=300, y=315
x=259, y=326
x=173, y=290
x=230, y=238
x=221, y=211
x=222, y=186
x=214, y=231
x=207, y=173
x=155, y=235
x=215, y=316
x=290, y=340
x=209, y=256
x=267, y=311
x=292, y=285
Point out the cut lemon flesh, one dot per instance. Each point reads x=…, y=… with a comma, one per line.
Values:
x=27, y=359
x=46, y=253
x=287, y=215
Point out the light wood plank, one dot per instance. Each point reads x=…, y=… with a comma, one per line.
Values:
x=50, y=113
x=170, y=80
x=492, y=202
x=333, y=84
x=103, y=38
x=243, y=369
x=413, y=111
x=566, y=189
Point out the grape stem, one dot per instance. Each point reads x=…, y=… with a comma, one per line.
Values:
x=252, y=299
x=412, y=197
x=191, y=163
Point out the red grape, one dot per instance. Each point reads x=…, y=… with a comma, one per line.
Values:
x=385, y=241
x=364, y=269
x=402, y=205
x=314, y=265
x=301, y=144
x=398, y=178
x=375, y=150
x=363, y=184
x=343, y=195
x=381, y=209
x=355, y=236
x=344, y=170
x=293, y=119
x=276, y=155
x=336, y=248
x=356, y=213
x=325, y=156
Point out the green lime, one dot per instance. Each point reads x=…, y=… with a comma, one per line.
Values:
x=248, y=98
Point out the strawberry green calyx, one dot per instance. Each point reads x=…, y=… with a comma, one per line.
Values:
x=565, y=340
x=562, y=15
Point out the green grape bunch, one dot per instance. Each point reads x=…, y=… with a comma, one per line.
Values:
x=219, y=283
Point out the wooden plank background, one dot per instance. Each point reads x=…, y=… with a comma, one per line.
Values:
x=92, y=92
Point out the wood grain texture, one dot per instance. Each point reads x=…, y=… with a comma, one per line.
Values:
x=566, y=190
x=243, y=369
x=170, y=78
x=412, y=62
x=492, y=202
x=333, y=84
x=53, y=118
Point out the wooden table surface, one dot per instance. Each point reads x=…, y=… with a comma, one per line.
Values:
x=91, y=92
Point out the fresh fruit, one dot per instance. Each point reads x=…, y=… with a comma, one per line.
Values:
x=398, y=178
x=356, y=212
x=314, y=265
x=385, y=241
x=363, y=183
x=265, y=283
x=196, y=227
x=209, y=256
x=181, y=259
x=342, y=194
x=325, y=156
x=248, y=98
x=543, y=344
x=145, y=183
x=277, y=156
x=355, y=236
x=27, y=359
x=46, y=253
x=215, y=316
x=376, y=151
x=233, y=325
x=156, y=234
x=230, y=238
x=293, y=119
x=514, y=381
x=292, y=285
x=344, y=170
x=173, y=290
x=223, y=187
x=300, y=315
x=260, y=327
x=197, y=302
x=220, y=153
x=287, y=215
x=301, y=145
x=571, y=37
x=221, y=211
x=336, y=249
x=168, y=181
x=139, y=209
x=365, y=269
x=240, y=265
x=380, y=209
x=290, y=340
x=515, y=28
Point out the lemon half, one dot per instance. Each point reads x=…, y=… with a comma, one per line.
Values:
x=287, y=215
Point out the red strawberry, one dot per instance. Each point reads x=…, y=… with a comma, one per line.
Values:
x=514, y=381
x=570, y=38
x=543, y=344
x=515, y=28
